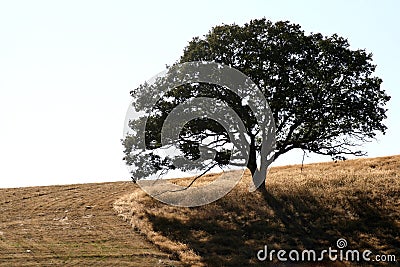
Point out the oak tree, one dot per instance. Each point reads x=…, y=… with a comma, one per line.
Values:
x=324, y=95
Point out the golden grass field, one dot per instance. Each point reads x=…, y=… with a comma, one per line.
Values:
x=117, y=224
x=71, y=225
x=358, y=200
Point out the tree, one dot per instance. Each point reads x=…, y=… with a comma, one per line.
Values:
x=323, y=95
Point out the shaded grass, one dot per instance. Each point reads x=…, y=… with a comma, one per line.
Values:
x=358, y=200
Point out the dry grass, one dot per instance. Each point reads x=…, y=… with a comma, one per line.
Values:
x=71, y=225
x=358, y=200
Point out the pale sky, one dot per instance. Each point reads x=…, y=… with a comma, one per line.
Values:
x=66, y=69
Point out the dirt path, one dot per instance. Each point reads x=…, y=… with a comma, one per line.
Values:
x=71, y=225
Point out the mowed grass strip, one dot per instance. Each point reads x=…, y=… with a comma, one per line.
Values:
x=71, y=225
x=358, y=200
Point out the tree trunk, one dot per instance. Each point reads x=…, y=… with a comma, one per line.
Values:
x=252, y=165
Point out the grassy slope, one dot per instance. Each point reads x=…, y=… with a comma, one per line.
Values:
x=358, y=200
x=71, y=225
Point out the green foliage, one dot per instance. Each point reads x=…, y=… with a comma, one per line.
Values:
x=323, y=95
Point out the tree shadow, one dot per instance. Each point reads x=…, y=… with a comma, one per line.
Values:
x=230, y=232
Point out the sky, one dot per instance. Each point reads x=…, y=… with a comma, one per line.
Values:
x=66, y=69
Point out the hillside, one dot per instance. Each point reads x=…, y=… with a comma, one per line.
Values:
x=76, y=225
x=358, y=200
x=71, y=225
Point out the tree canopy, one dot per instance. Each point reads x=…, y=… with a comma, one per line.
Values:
x=323, y=95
